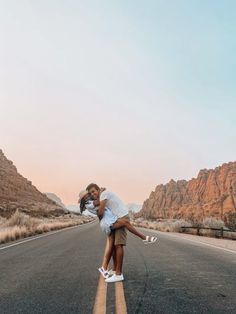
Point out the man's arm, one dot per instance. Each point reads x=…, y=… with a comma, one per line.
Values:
x=100, y=209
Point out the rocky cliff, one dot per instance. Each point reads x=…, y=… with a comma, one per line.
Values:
x=16, y=192
x=212, y=193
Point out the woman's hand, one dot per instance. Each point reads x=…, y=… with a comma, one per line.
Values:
x=96, y=203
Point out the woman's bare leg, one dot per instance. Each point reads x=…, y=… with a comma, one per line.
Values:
x=123, y=222
x=108, y=251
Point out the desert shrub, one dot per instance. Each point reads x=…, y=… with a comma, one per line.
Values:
x=19, y=219
x=172, y=225
x=166, y=225
x=230, y=235
x=16, y=219
x=150, y=225
x=2, y=221
x=13, y=233
x=50, y=226
x=179, y=224
x=20, y=225
x=230, y=220
x=212, y=222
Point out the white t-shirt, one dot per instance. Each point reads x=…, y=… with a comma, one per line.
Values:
x=114, y=203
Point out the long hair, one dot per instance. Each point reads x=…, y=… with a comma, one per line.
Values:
x=82, y=205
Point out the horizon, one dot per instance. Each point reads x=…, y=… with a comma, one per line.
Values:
x=127, y=203
x=140, y=204
x=126, y=95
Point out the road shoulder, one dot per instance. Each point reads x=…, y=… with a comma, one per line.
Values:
x=224, y=244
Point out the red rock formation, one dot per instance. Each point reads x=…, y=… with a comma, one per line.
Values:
x=16, y=192
x=210, y=194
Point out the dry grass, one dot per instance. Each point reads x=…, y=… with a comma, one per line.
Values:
x=230, y=220
x=2, y=220
x=13, y=233
x=173, y=225
x=20, y=225
x=22, y=220
x=165, y=225
x=50, y=226
x=212, y=222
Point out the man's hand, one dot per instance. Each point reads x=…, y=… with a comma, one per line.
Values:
x=100, y=209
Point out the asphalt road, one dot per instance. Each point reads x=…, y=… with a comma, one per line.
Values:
x=58, y=274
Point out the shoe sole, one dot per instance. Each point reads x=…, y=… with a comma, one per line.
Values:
x=148, y=242
x=114, y=281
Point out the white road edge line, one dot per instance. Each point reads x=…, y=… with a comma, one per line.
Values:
x=46, y=234
x=194, y=241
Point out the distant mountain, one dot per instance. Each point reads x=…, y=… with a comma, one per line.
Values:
x=134, y=207
x=73, y=207
x=76, y=209
x=211, y=194
x=55, y=198
x=16, y=192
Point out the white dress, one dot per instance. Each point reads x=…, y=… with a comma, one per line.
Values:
x=107, y=220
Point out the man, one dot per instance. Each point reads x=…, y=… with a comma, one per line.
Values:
x=117, y=207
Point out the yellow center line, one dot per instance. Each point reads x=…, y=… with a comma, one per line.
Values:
x=120, y=298
x=101, y=297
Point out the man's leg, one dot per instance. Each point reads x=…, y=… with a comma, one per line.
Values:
x=120, y=242
x=119, y=258
x=114, y=260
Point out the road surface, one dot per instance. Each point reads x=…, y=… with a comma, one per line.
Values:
x=57, y=273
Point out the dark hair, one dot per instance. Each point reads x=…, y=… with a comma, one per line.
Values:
x=92, y=185
x=82, y=205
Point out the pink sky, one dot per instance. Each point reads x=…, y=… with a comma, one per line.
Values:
x=127, y=98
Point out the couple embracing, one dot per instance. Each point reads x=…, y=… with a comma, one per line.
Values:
x=114, y=220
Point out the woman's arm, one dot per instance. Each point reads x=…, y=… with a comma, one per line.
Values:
x=100, y=209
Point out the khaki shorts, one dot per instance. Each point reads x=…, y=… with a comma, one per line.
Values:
x=121, y=234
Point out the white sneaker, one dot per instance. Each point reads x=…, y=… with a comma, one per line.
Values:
x=115, y=278
x=103, y=272
x=111, y=272
x=150, y=240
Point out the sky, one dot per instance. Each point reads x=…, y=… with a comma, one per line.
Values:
x=127, y=94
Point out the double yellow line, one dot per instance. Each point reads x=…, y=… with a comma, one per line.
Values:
x=101, y=298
